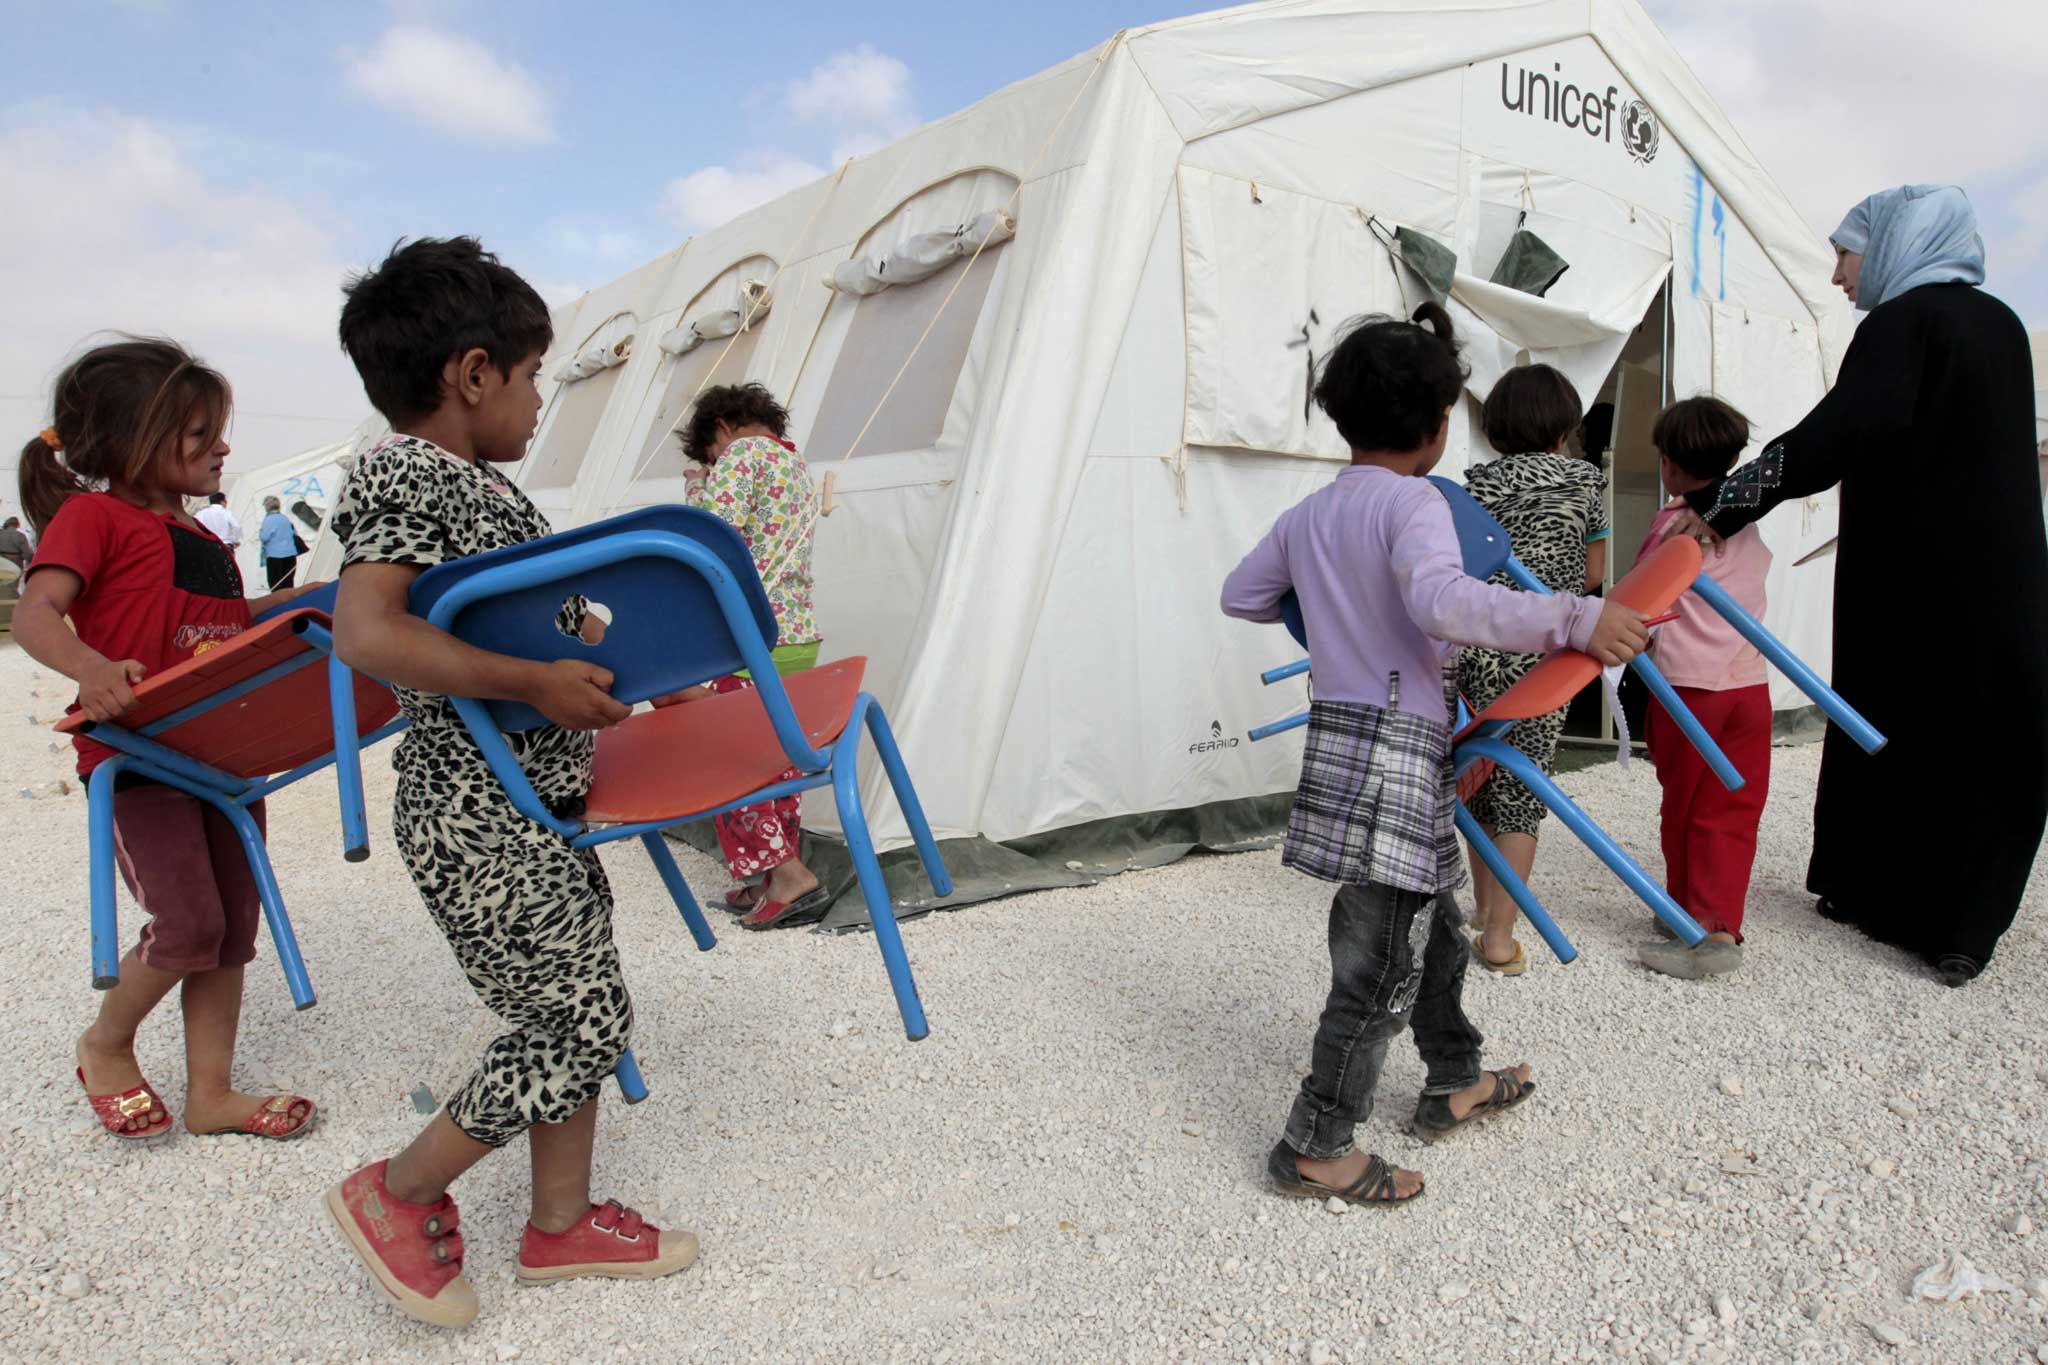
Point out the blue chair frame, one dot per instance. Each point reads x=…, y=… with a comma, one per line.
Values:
x=691, y=572
x=138, y=752
x=1486, y=550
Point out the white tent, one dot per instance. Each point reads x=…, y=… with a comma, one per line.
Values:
x=1041, y=459
x=309, y=481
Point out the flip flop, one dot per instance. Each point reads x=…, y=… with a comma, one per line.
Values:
x=114, y=1111
x=767, y=914
x=1514, y=966
x=273, y=1119
x=1373, y=1189
x=741, y=899
x=1433, y=1118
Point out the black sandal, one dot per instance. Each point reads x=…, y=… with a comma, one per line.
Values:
x=1373, y=1188
x=1957, y=969
x=1433, y=1117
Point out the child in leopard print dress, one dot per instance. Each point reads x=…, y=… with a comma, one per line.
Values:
x=449, y=345
x=1554, y=509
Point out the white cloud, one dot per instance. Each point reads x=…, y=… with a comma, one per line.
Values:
x=454, y=84
x=602, y=243
x=1838, y=104
x=718, y=194
x=128, y=235
x=861, y=86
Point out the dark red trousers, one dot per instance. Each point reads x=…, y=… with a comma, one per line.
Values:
x=1709, y=831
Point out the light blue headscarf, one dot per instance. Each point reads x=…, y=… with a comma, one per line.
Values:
x=1910, y=236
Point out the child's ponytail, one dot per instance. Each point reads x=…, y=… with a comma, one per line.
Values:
x=1431, y=315
x=45, y=480
x=118, y=408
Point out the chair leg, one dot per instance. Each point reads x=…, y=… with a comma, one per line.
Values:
x=281, y=935
x=627, y=1074
x=1517, y=889
x=679, y=890
x=1590, y=834
x=348, y=764
x=860, y=847
x=906, y=799
x=1688, y=724
x=99, y=817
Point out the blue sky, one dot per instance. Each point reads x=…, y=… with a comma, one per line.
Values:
x=210, y=170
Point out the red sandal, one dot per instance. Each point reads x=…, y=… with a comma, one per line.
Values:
x=611, y=1241
x=279, y=1118
x=115, y=1111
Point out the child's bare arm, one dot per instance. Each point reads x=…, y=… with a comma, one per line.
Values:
x=105, y=686
x=375, y=633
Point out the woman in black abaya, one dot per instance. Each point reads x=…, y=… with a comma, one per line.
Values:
x=1941, y=587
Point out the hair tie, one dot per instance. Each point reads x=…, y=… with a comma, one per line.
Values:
x=51, y=439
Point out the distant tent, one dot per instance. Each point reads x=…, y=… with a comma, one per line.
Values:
x=1047, y=357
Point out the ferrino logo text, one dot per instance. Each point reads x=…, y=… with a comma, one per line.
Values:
x=1215, y=741
x=1594, y=112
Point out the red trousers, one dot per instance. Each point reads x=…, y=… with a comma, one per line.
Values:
x=757, y=839
x=1709, y=831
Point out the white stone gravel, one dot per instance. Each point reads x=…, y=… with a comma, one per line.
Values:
x=1069, y=1168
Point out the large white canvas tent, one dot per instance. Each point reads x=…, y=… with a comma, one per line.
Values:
x=1049, y=356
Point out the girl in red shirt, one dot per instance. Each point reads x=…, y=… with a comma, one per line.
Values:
x=146, y=586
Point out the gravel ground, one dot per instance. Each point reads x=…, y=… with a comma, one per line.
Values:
x=1751, y=1169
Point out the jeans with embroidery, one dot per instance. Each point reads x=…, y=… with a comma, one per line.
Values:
x=1396, y=957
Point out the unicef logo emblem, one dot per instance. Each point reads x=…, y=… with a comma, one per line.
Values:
x=1639, y=132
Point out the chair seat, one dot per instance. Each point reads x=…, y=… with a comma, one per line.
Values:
x=679, y=761
x=1659, y=578
x=269, y=729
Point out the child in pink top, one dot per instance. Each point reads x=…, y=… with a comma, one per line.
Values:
x=1709, y=832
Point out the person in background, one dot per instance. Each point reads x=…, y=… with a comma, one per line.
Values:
x=1555, y=512
x=216, y=518
x=281, y=545
x=1709, y=832
x=15, y=547
x=746, y=470
x=1928, y=843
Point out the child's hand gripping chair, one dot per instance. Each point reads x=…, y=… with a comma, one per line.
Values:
x=231, y=726
x=684, y=606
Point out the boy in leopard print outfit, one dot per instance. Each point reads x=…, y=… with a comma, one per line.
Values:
x=449, y=345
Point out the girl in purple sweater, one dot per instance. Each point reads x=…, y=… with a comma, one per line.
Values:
x=1373, y=560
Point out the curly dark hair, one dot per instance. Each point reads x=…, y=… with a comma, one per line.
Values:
x=429, y=300
x=736, y=405
x=1531, y=408
x=1388, y=382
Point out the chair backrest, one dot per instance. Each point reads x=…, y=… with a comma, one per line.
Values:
x=1482, y=543
x=220, y=709
x=1482, y=540
x=1659, y=578
x=666, y=630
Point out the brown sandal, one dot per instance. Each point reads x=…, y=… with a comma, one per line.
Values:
x=1433, y=1117
x=1375, y=1187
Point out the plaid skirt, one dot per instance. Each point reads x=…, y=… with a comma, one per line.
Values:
x=1377, y=802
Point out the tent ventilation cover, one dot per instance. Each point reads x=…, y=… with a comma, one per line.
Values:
x=755, y=300
x=922, y=256
x=609, y=345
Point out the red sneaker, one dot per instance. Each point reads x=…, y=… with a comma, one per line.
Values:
x=611, y=1240
x=412, y=1251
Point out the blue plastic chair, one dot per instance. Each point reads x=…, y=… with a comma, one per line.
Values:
x=231, y=727
x=686, y=606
